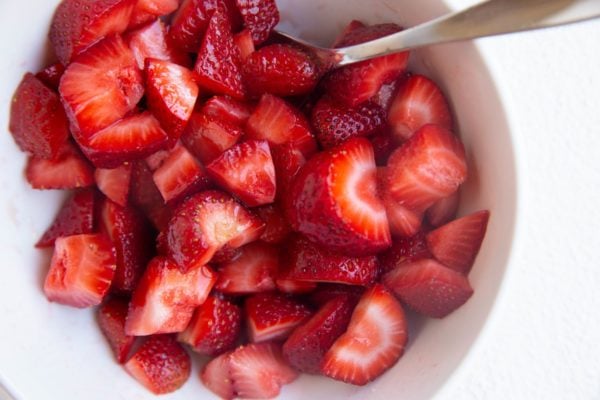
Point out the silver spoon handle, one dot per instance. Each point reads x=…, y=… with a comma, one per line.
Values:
x=493, y=17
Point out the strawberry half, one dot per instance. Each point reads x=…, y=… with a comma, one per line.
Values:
x=444, y=210
x=215, y=376
x=260, y=17
x=228, y=108
x=374, y=341
x=111, y=319
x=333, y=200
x=404, y=250
x=148, y=10
x=207, y=137
x=114, y=183
x=151, y=41
x=81, y=270
x=276, y=226
x=51, y=75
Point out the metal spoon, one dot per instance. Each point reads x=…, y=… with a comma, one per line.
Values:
x=492, y=17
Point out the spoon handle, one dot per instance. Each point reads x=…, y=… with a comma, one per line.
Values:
x=492, y=17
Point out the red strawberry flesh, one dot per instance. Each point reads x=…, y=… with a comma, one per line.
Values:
x=260, y=17
x=111, y=319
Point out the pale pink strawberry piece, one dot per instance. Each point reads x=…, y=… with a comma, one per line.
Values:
x=444, y=210
x=151, y=41
x=292, y=286
x=404, y=250
x=51, y=75
x=245, y=44
x=148, y=10
x=215, y=376
x=276, y=226
x=260, y=17
x=403, y=221
x=227, y=108
x=111, y=319
x=81, y=270
x=114, y=183
x=342, y=37
x=146, y=196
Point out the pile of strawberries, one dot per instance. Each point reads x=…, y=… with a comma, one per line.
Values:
x=231, y=196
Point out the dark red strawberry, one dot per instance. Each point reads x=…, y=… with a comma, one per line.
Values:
x=51, y=75
x=38, y=122
x=160, y=364
x=374, y=341
x=226, y=255
x=444, y=210
x=146, y=196
x=81, y=270
x=111, y=319
x=148, y=10
x=326, y=292
x=253, y=271
x=357, y=32
x=404, y=250
x=384, y=145
x=245, y=44
x=403, y=221
x=151, y=41
x=114, y=183
x=260, y=17
x=457, y=243
x=342, y=37
x=207, y=137
x=291, y=286
x=276, y=226
x=287, y=161
x=225, y=107
x=215, y=376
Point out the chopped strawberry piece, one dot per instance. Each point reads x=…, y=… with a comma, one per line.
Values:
x=155, y=160
x=215, y=327
x=111, y=319
x=325, y=292
x=388, y=92
x=114, y=183
x=246, y=170
x=404, y=250
x=38, y=122
x=334, y=202
x=457, y=243
x=403, y=221
x=305, y=348
x=342, y=37
x=276, y=226
x=215, y=376
x=151, y=41
x=148, y=10
x=51, y=75
x=260, y=17
x=287, y=161
x=204, y=223
x=75, y=217
x=384, y=145
x=291, y=286
x=273, y=316
x=444, y=210
x=428, y=287
x=252, y=272
x=81, y=270
x=146, y=196
x=374, y=341
x=335, y=123
x=419, y=102
x=77, y=24
x=226, y=255
x=207, y=137
x=165, y=298
x=160, y=364
x=245, y=44
x=230, y=109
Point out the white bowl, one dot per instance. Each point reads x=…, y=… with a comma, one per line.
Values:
x=48, y=351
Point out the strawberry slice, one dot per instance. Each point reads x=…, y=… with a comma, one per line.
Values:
x=260, y=17
x=215, y=327
x=75, y=217
x=230, y=109
x=404, y=222
x=114, y=183
x=335, y=123
x=148, y=10
x=77, y=24
x=246, y=170
x=333, y=200
x=215, y=376
x=245, y=44
x=146, y=196
x=100, y=86
x=165, y=298
x=111, y=319
x=374, y=341
x=306, y=346
x=457, y=243
x=273, y=316
x=343, y=36
x=38, y=123
x=419, y=102
x=291, y=286
x=325, y=292
x=207, y=137
x=51, y=75
x=160, y=364
x=276, y=226
x=287, y=161
x=253, y=271
x=204, y=223
x=444, y=210
x=81, y=270
x=151, y=41
x=404, y=250
x=428, y=287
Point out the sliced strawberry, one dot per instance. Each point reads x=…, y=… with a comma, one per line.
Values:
x=226, y=255
x=151, y=41
x=291, y=286
x=444, y=210
x=77, y=24
x=281, y=70
x=81, y=270
x=325, y=292
x=207, y=137
x=100, y=86
x=146, y=196
x=335, y=123
x=215, y=327
x=287, y=161
x=148, y=10
x=230, y=109
x=160, y=364
x=204, y=223
x=428, y=287
x=155, y=160
x=111, y=319
x=165, y=298
x=280, y=123
x=388, y=92
x=276, y=226
x=51, y=75
x=457, y=243
x=404, y=222
x=246, y=170
x=419, y=102
x=273, y=316
x=260, y=17
x=342, y=37
x=404, y=250
x=215, y=376
x=252, y=272
x=374, y=341
x=75, y=217
x=38, y=123
x=245, y=44
x=384, y=145
x=306, y=346
x=114, y=183
x=333, y=200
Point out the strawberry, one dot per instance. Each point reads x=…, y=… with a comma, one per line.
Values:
x=342, y=37
x=428, y=287
x=100, y=86
x=75, y=217
x=215, y=327
x=51, y=75
x=155, y=160
x=374, y=341
x=276, y=226
x=146, y=196
x=419, y=102
x=165, y=298
x=160, y=364
x=335, y=123
x=260, y=17
x=291, y=286
x=457, y=243
x=148, y=10
x=384, y=145
x=306, y=346
x=357, y=32
x=114, y=183
x=81, y=270
x=151, y=41
x=225, y=107
x=111, y=319
x=246, y=170
x=404, y=222
x=215, y=376
x=388, y=92
x=245, y=44
x=280, y=123
x=444, y=210
x=333, y=201
x=226, y=255
x=287, y=161
x=404, y=250
x=281, y=70
x=252, y=272
x=326, y=292
x=273, y=316
x=204, y=223
x=77, y=24
x=38, y=123
x=207, y=137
